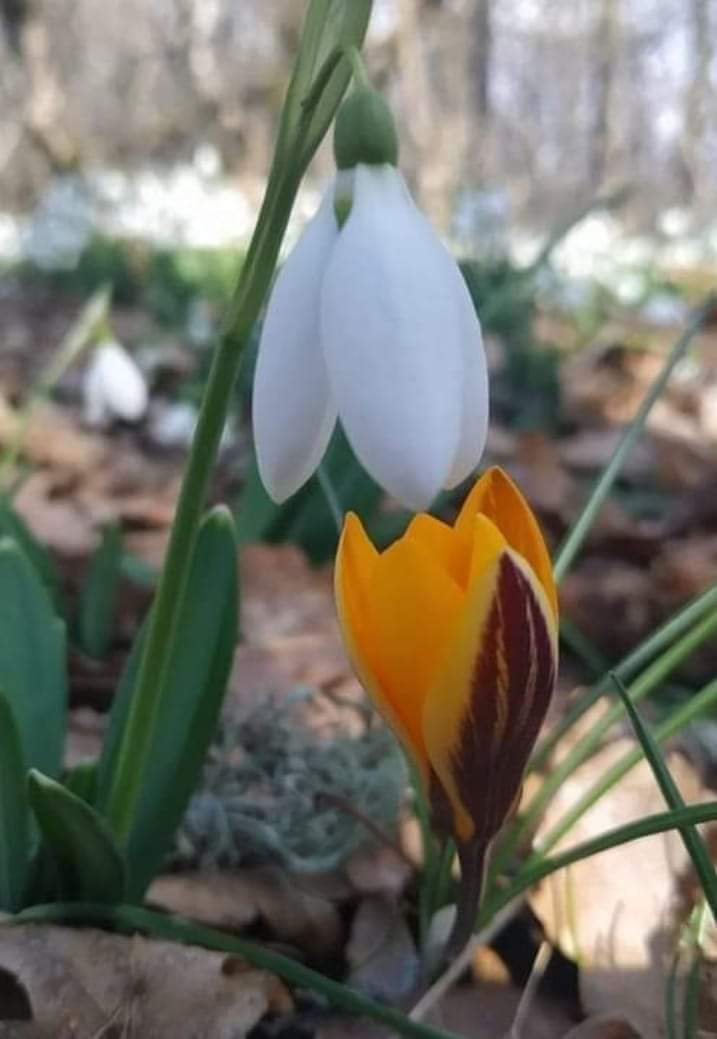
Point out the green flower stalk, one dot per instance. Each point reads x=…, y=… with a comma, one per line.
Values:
x=321, y=75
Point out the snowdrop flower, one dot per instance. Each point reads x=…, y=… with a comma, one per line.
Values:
x=370, y=321
x=113, y=387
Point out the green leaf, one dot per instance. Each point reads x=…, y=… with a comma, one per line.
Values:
x=538, y=867
x=657, y=640
x=13, y=526
x=698, y=704
x=81, y=780
x=693, y=842
x=256, y=513
x=201, y=661
x=89, y=864
x=98, y=598
x=32, y=660
x=14, y=829
x=646, y=683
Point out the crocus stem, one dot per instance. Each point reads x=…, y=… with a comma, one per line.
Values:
x=472, y=856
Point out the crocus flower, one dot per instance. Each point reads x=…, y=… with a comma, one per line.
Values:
x=453, y=633
x=371, y=321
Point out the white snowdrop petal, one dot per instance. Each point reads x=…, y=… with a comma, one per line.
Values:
x=114, y=386
x=475, y=398
x=292, y=410
x=391, y=330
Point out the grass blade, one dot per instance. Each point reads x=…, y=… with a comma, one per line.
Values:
x=98, y=597
x=32, y=660
x=539, y=867
x=574, y=541
x=650, y=679
x=677, y=721
x=14, y=828
x=646, y=651
x=694, y=844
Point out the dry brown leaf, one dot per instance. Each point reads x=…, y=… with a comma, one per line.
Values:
x=80, y=982
x=264, y=897
x=606, y=383
x=590, y=450
x=291, y=637
x=381, y=953
x=51, y=438
x=604, y=589
x=488, y=1011
x=54, y=517
x=618, y=913
x=606, y=1026
x=377, y=869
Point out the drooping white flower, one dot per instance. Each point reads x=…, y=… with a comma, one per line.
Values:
x=113, y=386
x=371, y=320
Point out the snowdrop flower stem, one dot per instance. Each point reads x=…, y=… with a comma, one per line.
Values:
x=320, y=77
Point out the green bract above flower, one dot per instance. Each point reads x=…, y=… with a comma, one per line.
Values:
x=372, y=322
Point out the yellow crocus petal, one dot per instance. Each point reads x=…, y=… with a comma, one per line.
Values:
x=487, y=544
x=356, y=560
x=439, y=539
x=497, y=497
x=482, y=713
x=414, y=609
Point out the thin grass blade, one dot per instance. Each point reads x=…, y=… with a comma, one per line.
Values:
x=694, y=844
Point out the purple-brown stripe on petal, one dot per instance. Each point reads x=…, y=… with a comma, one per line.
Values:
x=512, y=684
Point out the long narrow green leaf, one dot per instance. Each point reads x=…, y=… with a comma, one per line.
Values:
x=662, y=637
x=540, y=866
x=201, y=662
x=580, y=529
x=13, y=526
x=89, y=864
x=98, y=596
x=677, y=721
x=14, y=829
x=32, y=660
x=694, y=844
x=696, y=932
x=646, y=683
x=671, y=997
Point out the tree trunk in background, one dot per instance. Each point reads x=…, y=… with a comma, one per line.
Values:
x=480, y=150
x=45, y=109
x=480, y=59
x=697, y=98
x=605, y=50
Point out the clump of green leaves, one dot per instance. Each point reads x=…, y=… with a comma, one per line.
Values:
x=163, y=281
x=54, y=839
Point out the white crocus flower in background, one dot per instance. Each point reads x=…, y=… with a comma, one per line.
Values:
x=113, y=386
x=371, y=321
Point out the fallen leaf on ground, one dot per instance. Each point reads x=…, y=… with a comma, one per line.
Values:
x=264, y=899
x=488, y=1012
x=381, y=953
x=376, y=869
x=83, y=982
x=604, y=1027
x=618, y=913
